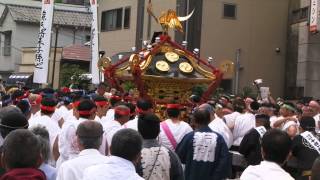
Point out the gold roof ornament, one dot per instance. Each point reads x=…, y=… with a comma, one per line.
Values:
x=172, y=57
x=169, y=19
x=104, y=63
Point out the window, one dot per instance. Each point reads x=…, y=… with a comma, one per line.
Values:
x=111, y=20
x=126, y=23
x=300, y=15
x=88, y=38
x=7, y=43
x=229, y=11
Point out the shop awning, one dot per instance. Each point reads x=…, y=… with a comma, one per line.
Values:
x=19, y=78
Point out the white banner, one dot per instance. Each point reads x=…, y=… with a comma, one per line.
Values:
x=94, y=43
x=314, y=16
x=43, y=47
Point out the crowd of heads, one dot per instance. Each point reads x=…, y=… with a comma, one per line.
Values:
x=20, y=105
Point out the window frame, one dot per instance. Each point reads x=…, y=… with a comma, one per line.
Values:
x=124, y=17
x=235, y=11
x=6, y=49
x=104, y=18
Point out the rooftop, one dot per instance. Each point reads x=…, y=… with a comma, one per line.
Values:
x=77, y=52
x=64, y=14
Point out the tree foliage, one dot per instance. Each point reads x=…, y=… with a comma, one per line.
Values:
x=69, y=70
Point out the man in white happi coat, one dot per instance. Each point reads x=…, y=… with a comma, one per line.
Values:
x=144, y=106
x=102, y=107
x=243, y=124
x=35, y=102
x=63, y=111
x=125, y=150
x=67, y=143
x=89, y=138
x=274, y=158
x=238, y=106
x=287, y=114
x=218, y=124
x=121, y=116
x=114, y=100
x=47, y=108
x=173, y=129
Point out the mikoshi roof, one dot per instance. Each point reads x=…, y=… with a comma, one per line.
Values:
x=164, y=67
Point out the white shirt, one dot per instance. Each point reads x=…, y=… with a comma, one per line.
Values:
x=49, y=171
x=37, y=114
x=115, y=168
x=273, y=119
x=1, y=140
x=265, y=171
x=231, y=118
x=221, y=128
x=52, y=126
x=317, y=120
x=110, y=129
x=69, y=116
x=178, y=130
x=242, y=125
x=73, y=169
x=109, y=116
x=62, y=112
x=132, y=124
x=68, y=146
x=97, y=119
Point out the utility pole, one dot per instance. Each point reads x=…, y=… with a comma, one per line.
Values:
x=55, y=54
x=238, y=66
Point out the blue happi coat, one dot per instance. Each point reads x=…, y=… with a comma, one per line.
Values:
x=205, y=154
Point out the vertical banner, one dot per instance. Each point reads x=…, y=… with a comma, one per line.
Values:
x=314, y=16
x=43, y=47
x=94, y=43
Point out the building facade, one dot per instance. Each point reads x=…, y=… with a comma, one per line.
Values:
x=19, y=27
x=303, y=57
x=226, y=30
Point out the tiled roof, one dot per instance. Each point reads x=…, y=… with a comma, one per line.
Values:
x=61, y=17
x=76, y=52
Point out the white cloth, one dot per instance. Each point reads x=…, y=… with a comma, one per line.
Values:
x=62, y=112
x=52, y=126
x=231, y=118
x=243, y=124
x=110, y=128
x=68, y=146
x=69, y=116
x=49, y=171
x=37, y=114
x=273, y=119
x=265, y=171
x=97, y=119
x=73, y=169
x=284, y=123
x=53, y=130
x=317, y=120
x=1, y=140
x=221, y=128
x=132, y=124
x=115, y=168
x=109, y=116
x=56, y=116
x=288, y=124
x=178, y=130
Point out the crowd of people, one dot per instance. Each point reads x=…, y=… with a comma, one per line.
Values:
x=103, y=134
